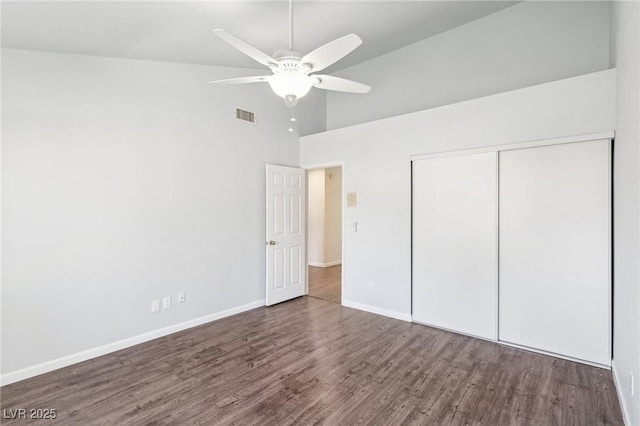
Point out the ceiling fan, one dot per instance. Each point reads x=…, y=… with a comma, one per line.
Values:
x=294, y=74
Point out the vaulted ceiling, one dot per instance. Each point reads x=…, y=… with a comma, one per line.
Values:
x=181, y=31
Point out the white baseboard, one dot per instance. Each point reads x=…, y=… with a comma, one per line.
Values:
x=376, y=310
x=620, y=392
x=324, y=265
x=65, y=361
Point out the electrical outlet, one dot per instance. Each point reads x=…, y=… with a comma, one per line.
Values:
x=181, y=297
x=372, y=286
x=631, y=385
x=155, y=305
x=166, y=302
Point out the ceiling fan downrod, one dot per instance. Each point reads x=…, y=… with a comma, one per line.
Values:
x=290, y=24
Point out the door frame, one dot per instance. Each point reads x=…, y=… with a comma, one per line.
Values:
x=308, y=168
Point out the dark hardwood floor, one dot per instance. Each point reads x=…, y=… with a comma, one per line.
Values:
x=308, y=361
x=324, y=283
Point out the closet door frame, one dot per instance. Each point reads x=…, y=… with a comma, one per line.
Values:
x=506, y=147
x=517, y=145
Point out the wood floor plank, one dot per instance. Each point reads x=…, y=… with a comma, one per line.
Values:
x=310, y=361
x=324, y=283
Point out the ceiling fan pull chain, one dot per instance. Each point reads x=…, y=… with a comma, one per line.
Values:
x=292, y=119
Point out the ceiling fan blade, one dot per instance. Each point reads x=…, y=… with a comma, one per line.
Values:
x=329, y=82
x=242, y=80
x=246, y=48
x=331, y=52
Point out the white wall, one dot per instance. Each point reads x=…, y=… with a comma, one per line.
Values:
x=530, y=43
x=333, y=215
x=376, y=158
x=124, y=181
x=626, y=333
x=315, y=217
x=311, y=112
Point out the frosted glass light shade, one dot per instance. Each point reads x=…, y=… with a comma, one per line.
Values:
x=290, y=83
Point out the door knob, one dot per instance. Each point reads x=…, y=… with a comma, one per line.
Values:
x=272, y=243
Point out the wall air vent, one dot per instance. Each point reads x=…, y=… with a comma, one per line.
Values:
x=244, y=115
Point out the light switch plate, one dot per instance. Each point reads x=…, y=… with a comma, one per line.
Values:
x=351, y=199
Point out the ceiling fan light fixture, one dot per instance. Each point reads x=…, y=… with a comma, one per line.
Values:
x=287, y=83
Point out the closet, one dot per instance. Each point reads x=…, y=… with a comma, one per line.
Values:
x=513, y=243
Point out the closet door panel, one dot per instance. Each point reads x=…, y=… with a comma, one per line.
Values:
x=555, y=249
x=454, y=243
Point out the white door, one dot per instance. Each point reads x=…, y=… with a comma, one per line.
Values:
x=286, y=275
x=455, y=243
x=555, y=242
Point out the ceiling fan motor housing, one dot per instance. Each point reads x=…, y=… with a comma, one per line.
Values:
x=290, y=59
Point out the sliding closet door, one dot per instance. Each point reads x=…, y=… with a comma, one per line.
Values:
x=555, y=249
x=454, y=243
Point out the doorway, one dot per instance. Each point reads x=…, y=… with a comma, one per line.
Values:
x=324, y=233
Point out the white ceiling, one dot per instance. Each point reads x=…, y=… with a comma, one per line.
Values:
x=181, y=31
